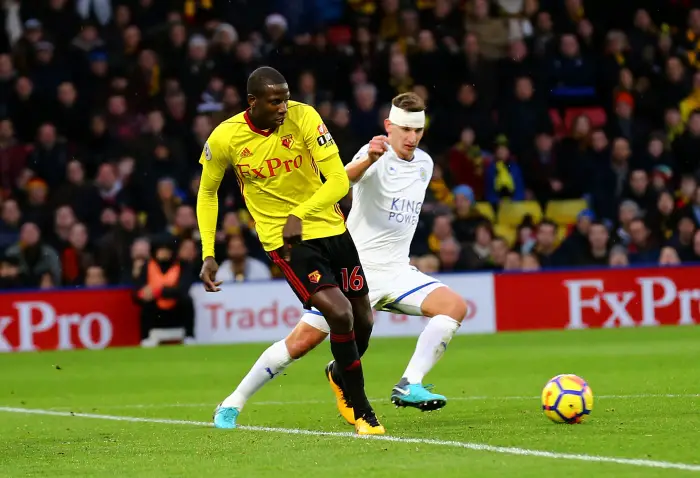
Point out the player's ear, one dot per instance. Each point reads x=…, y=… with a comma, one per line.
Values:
x=251, y=101
x=387, y=126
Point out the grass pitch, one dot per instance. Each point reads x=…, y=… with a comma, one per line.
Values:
x=644, y=423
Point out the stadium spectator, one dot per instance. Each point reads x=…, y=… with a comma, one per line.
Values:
x=682, y=239
x=428, y=264
x=9, y=223
x=545, y=246
x=523, y=117
x=114, y=248
x=642, y=247
x=162, y=290
x=542, y=169
x=504, y=179
x=37, y=261
x=450, y=254
x=513, y=262
x=573, y=248
x=467, y=163
x=597, y=253
x=669, y=257
x=239, y=266
x=478, y=250
x=13, y=158
x=530, y=263
x=11, y=276
x=63, y=220
x=618, y=257
x=467, y=217
x=499, y=251
x=95, y=277
x=695, y=253
x=77, y=257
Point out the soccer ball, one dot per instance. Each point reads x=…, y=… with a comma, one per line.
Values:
x=567, y=399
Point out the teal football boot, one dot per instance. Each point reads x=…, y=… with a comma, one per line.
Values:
x=417, y=396
x=225, y=417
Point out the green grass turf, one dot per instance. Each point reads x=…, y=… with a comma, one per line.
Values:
x=186, y=383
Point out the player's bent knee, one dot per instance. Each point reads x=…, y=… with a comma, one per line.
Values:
x=303, y=339
x=341, y=319
x=458, y=309
x=445, y=301
x=336, y=308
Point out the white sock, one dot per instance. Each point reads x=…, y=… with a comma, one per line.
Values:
x=272, y=361
x=432, y=343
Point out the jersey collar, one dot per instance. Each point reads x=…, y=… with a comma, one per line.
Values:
x=254, y=129
x=401, y=159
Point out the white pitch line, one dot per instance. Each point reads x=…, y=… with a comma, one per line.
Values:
x=421, y=441
x=317, y=402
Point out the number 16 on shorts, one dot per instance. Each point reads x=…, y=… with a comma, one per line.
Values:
x=353, y=281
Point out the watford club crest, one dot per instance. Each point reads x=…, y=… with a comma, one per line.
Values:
x=287, y=141
x=315, y=276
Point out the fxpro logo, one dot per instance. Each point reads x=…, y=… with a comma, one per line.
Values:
x=658, y=299
x=269, y=168
x=39, y=317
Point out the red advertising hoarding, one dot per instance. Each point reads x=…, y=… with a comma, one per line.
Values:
x=598, y=298
x=68, y=319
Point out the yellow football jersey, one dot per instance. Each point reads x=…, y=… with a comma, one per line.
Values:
x=278, y=171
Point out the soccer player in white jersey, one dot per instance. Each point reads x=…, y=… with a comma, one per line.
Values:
x=390, y=176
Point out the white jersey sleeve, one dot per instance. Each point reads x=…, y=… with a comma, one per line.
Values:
x=358, y=156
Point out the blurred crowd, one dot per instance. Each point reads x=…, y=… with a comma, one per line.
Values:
x=105, y=106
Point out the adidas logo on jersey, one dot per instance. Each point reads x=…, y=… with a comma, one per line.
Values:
x=246, y=153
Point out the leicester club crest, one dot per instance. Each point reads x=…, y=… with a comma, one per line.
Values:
x=423, y=174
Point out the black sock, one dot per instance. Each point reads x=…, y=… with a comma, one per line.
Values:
x=347, y=363
x=362, y=336
x=338, y=377
x=362, y=340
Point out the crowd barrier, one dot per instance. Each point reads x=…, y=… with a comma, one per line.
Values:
x=267, y=311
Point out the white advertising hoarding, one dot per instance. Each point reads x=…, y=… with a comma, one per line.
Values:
x=267, y=311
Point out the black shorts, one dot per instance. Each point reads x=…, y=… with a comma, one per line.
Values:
x=325, y=262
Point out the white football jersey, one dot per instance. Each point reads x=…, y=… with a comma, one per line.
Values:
x=386, y=203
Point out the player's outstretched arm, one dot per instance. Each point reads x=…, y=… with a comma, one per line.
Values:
x=333, y=190
x=357, y=168
x=213, y=169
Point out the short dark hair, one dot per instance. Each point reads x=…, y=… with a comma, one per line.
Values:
x=263, y=77
x=409, y=101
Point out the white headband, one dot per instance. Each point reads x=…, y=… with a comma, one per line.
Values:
x=408, y=119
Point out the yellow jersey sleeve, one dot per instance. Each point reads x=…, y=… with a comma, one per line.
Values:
x=214, y=160
x=316, y=136
x=325, y=154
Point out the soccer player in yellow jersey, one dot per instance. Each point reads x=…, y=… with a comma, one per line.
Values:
x=278, y=148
